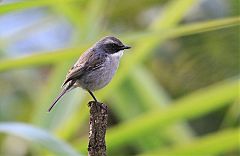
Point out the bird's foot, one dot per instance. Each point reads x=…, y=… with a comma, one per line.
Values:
x=97, y=105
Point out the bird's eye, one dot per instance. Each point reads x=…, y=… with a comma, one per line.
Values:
x=113, y=45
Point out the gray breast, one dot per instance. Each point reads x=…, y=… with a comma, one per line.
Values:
x=100, y=77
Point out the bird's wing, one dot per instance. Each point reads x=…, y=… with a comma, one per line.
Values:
x=88, y=62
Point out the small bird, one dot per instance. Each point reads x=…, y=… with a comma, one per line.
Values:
x=95, y=67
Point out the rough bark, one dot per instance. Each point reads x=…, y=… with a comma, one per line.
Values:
x=98, y=126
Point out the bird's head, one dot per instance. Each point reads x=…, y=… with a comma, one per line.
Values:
x=111, y=45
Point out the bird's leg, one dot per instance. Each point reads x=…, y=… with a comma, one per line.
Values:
x=100, y=104
x=96, y=102
x=92, y=95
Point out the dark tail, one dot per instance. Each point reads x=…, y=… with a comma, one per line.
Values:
x=56, y=100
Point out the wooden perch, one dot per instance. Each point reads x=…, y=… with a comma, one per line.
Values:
x=98, y=126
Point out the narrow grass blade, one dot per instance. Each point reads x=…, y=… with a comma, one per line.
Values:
x=10, y=7
x=212, y=144
x=38, y=136
x=58, y=56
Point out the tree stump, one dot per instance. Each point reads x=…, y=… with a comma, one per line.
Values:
x=98, y=126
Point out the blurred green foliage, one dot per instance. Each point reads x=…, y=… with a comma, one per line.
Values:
x=178, y=83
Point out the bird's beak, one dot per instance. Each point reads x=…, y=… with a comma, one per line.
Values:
x=126, y=47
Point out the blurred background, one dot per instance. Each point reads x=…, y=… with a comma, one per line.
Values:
x=176, y=91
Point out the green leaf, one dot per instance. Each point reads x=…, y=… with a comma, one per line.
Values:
x=192, y=106
x=232, y=115
x=212, y=144
x=40, y=59
x=154, y=95
x=10, y=7
x=174, y=14
x=47, y=95
x=38, y=136
x=66, y=54
x=189, y=107
x=185, y=30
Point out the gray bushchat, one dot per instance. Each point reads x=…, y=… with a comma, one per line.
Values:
x=95, y=67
